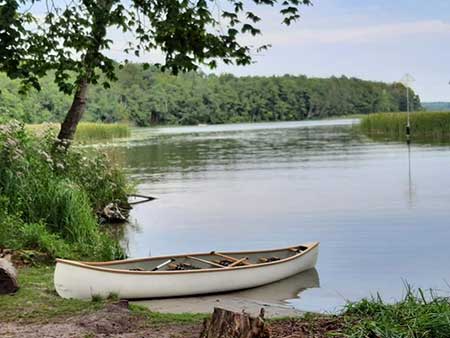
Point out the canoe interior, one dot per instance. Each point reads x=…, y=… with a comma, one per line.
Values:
x=195, y=261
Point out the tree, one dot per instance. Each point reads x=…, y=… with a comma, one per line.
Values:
x=72, y=37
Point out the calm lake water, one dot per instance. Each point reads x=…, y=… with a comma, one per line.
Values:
x=382, y=215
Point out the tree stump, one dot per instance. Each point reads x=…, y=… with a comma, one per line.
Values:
x=8, y=277
x=228, y=324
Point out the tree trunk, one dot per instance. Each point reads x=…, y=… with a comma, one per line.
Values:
x=228, y=324
x=8, y=277
x=75, y=113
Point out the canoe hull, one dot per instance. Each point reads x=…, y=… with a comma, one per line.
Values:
x=73, y=281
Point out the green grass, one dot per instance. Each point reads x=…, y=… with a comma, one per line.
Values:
x=425, y=126
x=167, y=318
x=37, y=301
x=417, y=315
x=88, y=131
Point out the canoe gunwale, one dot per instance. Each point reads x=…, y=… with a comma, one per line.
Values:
x=100, y=266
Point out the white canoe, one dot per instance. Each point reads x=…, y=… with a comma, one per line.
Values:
x=203, y=273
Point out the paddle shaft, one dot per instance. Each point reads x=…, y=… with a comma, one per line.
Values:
x=163, y=264
x=230, y=258
x=233, y=259
x=205, y=261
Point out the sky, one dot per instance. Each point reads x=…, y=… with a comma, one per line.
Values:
x=379, y=40
x=375, y=40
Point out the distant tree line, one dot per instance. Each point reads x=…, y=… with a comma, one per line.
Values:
x=148, y=97
x=436, y=106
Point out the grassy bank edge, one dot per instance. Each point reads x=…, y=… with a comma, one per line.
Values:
x=98, y=131
x=418, y=314
x=37, y=302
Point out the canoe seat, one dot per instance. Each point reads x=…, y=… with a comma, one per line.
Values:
x=136, y=269
x=182, y=266
x=269, y=259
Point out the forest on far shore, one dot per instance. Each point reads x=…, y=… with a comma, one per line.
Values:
x=146, y=97
x=436, y=106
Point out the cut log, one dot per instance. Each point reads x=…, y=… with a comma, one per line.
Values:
x=8, y=277
x=229, y=324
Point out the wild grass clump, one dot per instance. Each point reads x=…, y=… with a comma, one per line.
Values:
x=87, y=132
x=49, y=196
x=417, y=315
x=425, y=126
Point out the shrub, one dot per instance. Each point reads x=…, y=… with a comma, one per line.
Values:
x=16, y=234
x=50, y=196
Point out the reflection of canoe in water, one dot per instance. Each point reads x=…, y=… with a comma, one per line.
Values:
x=284, y=289
x=182, y=275
x=271, y=297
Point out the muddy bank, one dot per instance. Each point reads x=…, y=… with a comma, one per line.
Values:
x=206, y=304
x=118, y=321
x=113, y=321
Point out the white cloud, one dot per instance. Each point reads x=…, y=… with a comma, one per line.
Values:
x=357, y=34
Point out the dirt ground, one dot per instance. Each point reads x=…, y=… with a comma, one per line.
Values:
x=117, y=321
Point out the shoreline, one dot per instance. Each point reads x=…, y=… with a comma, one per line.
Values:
x=272, y=297
x=206, y=304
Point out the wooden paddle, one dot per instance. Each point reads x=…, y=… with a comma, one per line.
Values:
x=233, y=259
x=163, y=264
x=205, y=261
x=239, y=261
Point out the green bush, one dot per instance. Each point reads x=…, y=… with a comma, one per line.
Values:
x=16, y=234
x=50, y=196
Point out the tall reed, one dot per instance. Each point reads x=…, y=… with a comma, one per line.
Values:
x=424, y=125
x=419, y=314
x=88, y=131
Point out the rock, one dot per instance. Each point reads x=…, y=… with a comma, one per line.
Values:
x=8, y=277
x=229, y=324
